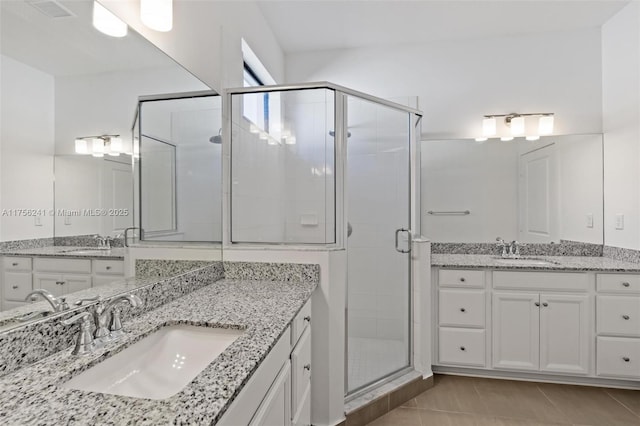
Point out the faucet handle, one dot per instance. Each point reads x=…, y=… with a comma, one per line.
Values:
x=84, y=341
x=95, y=298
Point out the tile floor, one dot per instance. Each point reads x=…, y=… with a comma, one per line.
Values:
x=467, y=401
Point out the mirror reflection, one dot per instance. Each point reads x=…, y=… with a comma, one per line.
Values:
x=180, y=168
x=69, y=99
x=545, y=191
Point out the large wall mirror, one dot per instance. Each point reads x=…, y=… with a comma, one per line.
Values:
x=544, y=191
x=70, y=98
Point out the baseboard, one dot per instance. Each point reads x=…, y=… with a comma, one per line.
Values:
x=537, y=377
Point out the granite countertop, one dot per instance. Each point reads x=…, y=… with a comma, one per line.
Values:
x=556, y=263
x=67, y=252
x=263, y=309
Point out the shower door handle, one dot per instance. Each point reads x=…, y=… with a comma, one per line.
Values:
x=398, y=249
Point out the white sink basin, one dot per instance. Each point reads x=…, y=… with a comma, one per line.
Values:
x=158, y=366
x=526, y=262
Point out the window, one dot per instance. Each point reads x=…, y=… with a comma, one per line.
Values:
x=256, y=106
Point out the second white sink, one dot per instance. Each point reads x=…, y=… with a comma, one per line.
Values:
x=158, y=366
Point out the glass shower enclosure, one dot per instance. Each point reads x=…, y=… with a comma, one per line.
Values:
x=321, y=165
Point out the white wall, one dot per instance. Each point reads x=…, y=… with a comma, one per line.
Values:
x=459, y=81
x=106, y=103
x=621, y=124
x=27, y=146
x=216, y=28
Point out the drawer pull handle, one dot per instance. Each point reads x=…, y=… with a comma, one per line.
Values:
x=108, y=267
x=59, y=282
x=463, y=310
x=626, y=359
x=462, y=348
x=15, y=287
x=462, y=279
x=545, y=304
x=307, y=367
x=625, y=284
x=537, y=303
x=625, y=317
x=307, y=318
x=14, y=264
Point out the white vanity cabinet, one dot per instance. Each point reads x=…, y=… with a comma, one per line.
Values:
x=461, y=318
x=584, y=326
x=59, y=275
x=618, y=325
x=279, y=392
x=16, y=281
x=546, y=332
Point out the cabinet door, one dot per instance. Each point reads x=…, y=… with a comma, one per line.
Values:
x=73, y=283
x=564, y=333
x=51, y=282
x=275, y=409
x=516, y=331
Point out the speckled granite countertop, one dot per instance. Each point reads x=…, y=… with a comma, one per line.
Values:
x=67, y=252
x=263, y=309
x=556, y=263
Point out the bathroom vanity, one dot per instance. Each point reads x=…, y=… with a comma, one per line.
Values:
x=57, y=269
x=263, y=377
x=567, y=319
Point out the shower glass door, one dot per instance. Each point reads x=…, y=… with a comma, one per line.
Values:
x=378, y=212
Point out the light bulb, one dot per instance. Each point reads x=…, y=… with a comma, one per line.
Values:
x=506, y=138
x=489, y=126
x=157, y=14
x=116, y=144
x=517, y=126
x=532, y=138
x=481, y=139
x=545, y=125
x=81, y=146
x=98, y=146
x=107, y=23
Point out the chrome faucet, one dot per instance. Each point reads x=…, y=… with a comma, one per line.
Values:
x=103, y=310
x=514, y=249
x=104, y=243
x=58, y=304
x=84, y=341
x=504, y=246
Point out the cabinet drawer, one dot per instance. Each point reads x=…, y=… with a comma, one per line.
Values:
x=462, y=308
x=101, y=280
x=541, y=281
x=82, y=266
x=300, y=322
x=619, y=315
x=618, y=283
x=461, y=278
x=11, y=263
x=300, y=370
x=17, y=285
x=108, y=267
x=618, y=357
x=460, y=346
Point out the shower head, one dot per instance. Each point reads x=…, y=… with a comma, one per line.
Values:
x=217, y=139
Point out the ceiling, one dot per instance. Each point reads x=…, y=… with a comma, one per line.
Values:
x=70, y=45
x=324, y=24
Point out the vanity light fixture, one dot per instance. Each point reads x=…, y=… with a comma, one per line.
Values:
x=517, y=126
x=98, y=146
x=108, y=23
x=157, y=14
